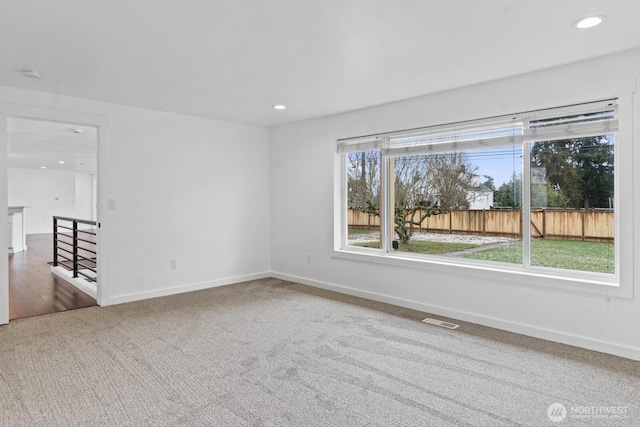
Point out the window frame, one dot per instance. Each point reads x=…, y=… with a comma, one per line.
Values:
x=525, y=274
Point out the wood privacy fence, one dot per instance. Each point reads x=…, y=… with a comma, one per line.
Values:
x=573, y=224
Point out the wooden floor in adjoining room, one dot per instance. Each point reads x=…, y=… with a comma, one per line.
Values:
x=33, y=289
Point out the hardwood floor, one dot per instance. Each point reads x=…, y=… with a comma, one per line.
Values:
x=33, y=289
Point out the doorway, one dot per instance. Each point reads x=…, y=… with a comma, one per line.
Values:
x=51, y=172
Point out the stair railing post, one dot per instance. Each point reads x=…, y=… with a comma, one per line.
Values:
x=55, y=241
x=75, y=248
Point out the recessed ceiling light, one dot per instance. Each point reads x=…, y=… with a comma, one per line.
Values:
x=30, y=74
x=279, y=107
x=589, y=21
x=43, y=167
x=61, y=162
x=76, y=130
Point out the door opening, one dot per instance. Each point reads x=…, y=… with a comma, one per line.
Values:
x=51, y=172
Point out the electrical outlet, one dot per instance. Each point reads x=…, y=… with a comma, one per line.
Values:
x=174, y=264
x=309, y=258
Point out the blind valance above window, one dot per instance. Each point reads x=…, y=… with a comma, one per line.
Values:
x=576, y=121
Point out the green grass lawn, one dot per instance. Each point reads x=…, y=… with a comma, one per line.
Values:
x=424, y=247
x=351, y=231
x=566, y=254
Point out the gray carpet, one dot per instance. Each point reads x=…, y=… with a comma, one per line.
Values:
x=273, y=353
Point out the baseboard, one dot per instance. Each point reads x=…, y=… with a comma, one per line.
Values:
x=519, y=328
x=85, y=286
x=13, y=250
x=120, y=299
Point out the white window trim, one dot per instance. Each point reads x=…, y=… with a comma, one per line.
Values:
x=610, y=285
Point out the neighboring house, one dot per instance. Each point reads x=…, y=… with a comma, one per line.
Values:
x=480, y=199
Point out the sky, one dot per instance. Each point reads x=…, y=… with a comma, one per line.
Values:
x=499, y=163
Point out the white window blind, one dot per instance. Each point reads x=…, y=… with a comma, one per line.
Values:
x=467, y=136
x=580, y=121
x=576, y=121
x=355, y=145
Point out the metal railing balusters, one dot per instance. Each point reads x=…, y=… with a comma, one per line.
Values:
x=80, y=259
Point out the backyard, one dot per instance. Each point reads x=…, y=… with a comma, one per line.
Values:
x=564, y=254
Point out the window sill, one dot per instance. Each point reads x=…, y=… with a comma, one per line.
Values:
x=592, y=283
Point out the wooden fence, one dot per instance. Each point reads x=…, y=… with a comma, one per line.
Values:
x=573, y=224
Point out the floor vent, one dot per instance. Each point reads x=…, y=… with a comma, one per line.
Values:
x=440, y=323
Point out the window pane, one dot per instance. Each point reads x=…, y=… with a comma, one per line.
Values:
x=459, y=204
x=572, y=215
x=363, y=199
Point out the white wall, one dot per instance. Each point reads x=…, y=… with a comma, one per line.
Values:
x=46, y=193
x=184, y=188
x=84, y=196
x=303, y=197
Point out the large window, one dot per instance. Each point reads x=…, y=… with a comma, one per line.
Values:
x=533, y=191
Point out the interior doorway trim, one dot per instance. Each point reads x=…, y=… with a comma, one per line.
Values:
x=101, y=122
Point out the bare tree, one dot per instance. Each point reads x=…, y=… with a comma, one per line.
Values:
x=424, y=185
x=429, y=185
x=363, y=173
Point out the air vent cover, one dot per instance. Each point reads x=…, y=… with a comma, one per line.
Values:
x=440, y=323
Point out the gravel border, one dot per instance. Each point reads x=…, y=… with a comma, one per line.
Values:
x=438, y=237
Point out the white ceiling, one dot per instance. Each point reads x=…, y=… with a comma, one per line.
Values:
x=34, y=144
x=234, y=59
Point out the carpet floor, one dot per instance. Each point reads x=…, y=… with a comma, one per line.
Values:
x=275, y=353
